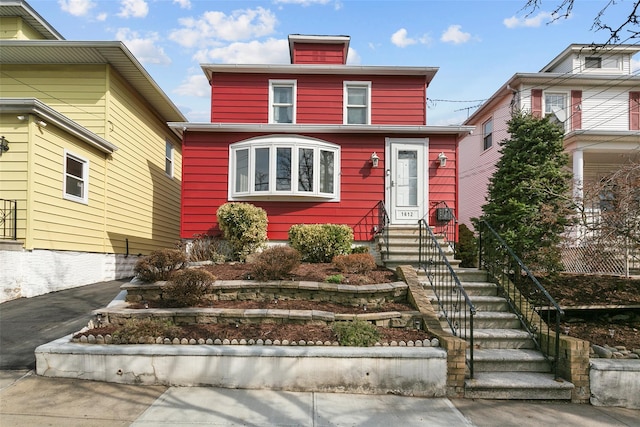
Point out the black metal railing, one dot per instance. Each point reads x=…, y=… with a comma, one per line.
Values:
x=453, y=302
x=383, y=228
x=445, y=224
x=538, y=312
x=9, y=219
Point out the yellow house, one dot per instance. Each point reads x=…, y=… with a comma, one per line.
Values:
x=89, y=170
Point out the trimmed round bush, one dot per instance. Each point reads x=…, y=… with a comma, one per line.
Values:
x=159, y=265
x=244, y=226
x=321, y=242
x=188, y=287
x=275, y=263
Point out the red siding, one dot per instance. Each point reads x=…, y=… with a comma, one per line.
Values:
x=576, y=109
x=315, y=53
x=205, y=174
x=244, y=98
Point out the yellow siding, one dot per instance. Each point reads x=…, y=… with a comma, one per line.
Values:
x=9, y=28
x=143, y=202
x=77, y=91
x=57, y=223
x=13, y=167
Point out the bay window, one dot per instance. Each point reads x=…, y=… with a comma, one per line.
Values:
x=283, y=168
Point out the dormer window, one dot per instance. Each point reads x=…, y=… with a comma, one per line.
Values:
x=282, y=96
x=592, y=62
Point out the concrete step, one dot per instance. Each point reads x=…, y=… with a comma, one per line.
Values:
x=471, y=275
x=489, y=303
x=471, y=288
x=499, y=338
x=490, y=320
x=517, y=385
x=509, y=360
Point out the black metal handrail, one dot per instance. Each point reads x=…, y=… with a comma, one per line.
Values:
x=453, y=301
x=383, y=228
x=9, y=219
x=531, y=302
x=446, y=223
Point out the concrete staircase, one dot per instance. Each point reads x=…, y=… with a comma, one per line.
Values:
x=506, y=364
x=403, y=246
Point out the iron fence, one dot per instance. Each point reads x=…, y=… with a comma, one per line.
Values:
x=9, y=219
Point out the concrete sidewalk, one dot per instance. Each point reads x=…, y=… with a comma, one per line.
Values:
x=27, y=400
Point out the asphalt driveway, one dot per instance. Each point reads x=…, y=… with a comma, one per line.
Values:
x=26, y=323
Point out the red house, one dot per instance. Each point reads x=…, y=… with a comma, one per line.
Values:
x=318, y=141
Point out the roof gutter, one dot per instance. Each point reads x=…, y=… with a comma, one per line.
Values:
x=51, y=116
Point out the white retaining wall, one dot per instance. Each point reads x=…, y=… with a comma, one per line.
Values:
x=615, y=382
x=32, y=273
x=415, y=371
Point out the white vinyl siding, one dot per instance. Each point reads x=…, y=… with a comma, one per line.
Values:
x=608, y=110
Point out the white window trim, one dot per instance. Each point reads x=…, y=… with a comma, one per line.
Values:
x=171, y=159
x=348, y=84
x=484, y=134
x=283, y=141
x=294, y=97
x=85, y=178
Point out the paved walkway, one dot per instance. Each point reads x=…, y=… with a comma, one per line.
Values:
x=28, y=400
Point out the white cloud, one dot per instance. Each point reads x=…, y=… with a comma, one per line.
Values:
x=143, y=48
x=133, y=8
x=531, y=22
x=76, y=7
x=353, y=58
x=184, y=4
x=400, y=39
x=454, y=35
x=271, y=51
x=102, y=16
x=194, y=85
x=635, y=65
x=214, y=26
x=302, y=2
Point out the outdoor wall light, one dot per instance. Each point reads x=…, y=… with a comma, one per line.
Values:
x=442, y=158
x=374, y=160
x=41, y=123
x=4, y=144
x=21, y=117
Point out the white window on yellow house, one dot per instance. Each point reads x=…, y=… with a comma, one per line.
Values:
x=76, y=178
x=168, y=159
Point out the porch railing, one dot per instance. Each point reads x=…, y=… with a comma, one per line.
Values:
x=9, y=219
x=453, y=302
x=446, y=223
x=383, y=228
x=538, y=312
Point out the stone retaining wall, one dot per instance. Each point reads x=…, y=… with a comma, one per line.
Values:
x=248, y=290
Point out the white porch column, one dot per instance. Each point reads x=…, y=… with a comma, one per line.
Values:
x=578, y=175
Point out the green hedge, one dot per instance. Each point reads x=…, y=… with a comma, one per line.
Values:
x=320, y=242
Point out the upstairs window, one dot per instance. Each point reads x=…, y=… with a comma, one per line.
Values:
x=357, y=103
x=282, y=95
x=555, y=107
x=76, y=178
x=168, y=158
x=487, y=134
x=283, y=168
x=592, y=62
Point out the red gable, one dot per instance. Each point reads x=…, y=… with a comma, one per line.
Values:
x=318, y=49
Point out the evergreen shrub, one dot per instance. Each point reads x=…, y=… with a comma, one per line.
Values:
x=244, y=226
x=356, y=334
x=321, y=242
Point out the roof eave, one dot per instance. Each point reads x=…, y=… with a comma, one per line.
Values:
x=320, y=128
x=51, y=116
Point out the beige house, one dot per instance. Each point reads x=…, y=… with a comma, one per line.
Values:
x=89, y=170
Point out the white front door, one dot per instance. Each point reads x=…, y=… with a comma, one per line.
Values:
x=406, y=179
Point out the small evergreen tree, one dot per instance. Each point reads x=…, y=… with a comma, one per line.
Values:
x=529, y=202
x=466, y=249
